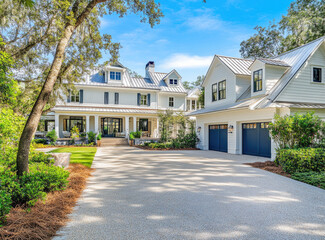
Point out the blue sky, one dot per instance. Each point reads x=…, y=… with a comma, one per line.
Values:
x=190, y=33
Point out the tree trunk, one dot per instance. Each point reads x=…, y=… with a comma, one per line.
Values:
x=35, y=115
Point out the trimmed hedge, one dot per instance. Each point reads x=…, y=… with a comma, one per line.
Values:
x=301, y=160
x=313, y=178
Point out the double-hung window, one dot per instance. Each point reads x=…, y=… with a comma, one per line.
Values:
x=118, y=76
x=317, y=74
x=112, y=75
x=222, y=90
x=75, y=96
x=144, y=99
x=171, y=102
x=214, y=92
x=258, y=80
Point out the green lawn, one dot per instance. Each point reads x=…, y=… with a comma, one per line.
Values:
x=82, y=155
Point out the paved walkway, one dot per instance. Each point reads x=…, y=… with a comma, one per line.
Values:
x=137, y=194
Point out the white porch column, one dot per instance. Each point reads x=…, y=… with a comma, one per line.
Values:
x=96, y=124
x=134, y=124
x=57, y=124
x=190, y=105
x=127, y=128
x=157, y=130
x=87, y=123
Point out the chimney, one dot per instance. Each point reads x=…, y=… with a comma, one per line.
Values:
x=150, y=67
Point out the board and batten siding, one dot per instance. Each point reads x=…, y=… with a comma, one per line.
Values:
x=301, y=88
x=219, y=73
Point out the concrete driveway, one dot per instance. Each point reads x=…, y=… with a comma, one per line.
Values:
x=137, y=194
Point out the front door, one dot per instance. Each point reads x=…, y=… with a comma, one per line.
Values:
x=111, y=126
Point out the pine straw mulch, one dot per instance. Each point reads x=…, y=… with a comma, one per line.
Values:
x=46, y=217
x=269, y=166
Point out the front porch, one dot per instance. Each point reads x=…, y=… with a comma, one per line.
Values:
x=114, y=126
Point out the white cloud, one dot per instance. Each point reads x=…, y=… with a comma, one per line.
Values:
x=204, y=22
x=182, y=61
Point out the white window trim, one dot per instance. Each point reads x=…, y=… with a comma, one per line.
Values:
x=173, y=101
x=312, y=74
x=143, y=102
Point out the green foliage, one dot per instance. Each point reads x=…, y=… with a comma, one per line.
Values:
x=99, y=136
x=40, y=157
x=5, y=205
x=75, y=132
x=304, y=22
x=313, y=178
x=52, y=136
x=91, y=137
x=160, y=145
x=297, y=131
x=166, y=122
x=301, y=160
x=40, y=140
x=133, y=135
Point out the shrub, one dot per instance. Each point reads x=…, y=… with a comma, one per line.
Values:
x=5, y=205
x=40, y=157
x=160, y=145
x=297, y=131
x=40, y=140
x=40, y=145
x=91, y=137
x=314, y=178
x=75, y=132
x=52, y=136
x=301, y=160
x=133, y=135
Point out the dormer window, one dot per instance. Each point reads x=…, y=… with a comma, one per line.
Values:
x=115, y=75
x=317, y=74
x=257, y=79
x=173, y=81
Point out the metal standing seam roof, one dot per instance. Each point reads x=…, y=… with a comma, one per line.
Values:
x=158, y=79
x=104, y=109
x=238, y=66
x=296, y=58
x=273, y=62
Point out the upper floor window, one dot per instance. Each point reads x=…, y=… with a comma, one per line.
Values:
x=222, y=90
x=257, y=78
x=116, y=98
x=75, y=96
x=317, y=74
x=188, y=104
x=143, y=100
x=171, y=102
x=173, y=81
x=193, y=105
x=115, y=75
x=214, y=92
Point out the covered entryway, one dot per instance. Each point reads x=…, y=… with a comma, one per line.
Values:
x=218, y=137
x=256, y=139
x=111, y=126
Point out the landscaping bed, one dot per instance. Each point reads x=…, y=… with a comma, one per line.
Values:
x=269, y=166
x=44, y=219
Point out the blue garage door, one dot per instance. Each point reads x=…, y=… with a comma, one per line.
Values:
x=218, y=137
x=256, y=139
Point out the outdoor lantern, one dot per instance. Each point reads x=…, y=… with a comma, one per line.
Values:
x=230, y=128
x=199, y=129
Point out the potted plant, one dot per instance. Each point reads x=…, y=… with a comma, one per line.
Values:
x=99, y=137
x=131, y=138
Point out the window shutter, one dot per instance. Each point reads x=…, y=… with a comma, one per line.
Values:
x=81, y=96
x=116, y=98
x=105, y=97
x=69, y=96
x=139, y=98
x=148, y=102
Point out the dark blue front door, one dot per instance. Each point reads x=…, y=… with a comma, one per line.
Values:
x=256, y=139
x=218, y=137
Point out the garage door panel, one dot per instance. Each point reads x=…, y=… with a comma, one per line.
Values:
x=256, y=139
x=218, y=138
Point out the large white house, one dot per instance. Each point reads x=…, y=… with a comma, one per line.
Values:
x=242, y=96
x=113, y=103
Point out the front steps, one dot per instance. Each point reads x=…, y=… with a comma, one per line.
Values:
x=108, y=142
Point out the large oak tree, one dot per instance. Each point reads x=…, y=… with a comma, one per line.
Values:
x=58, y=41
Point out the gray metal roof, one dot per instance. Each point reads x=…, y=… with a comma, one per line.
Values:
x=154, y=82
x=238, y=66
x=296, y=59
x=104, y=109
x=273, y=62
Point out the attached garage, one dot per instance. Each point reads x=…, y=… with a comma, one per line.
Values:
x=218, y=137
x=256, y=139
